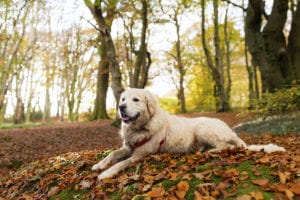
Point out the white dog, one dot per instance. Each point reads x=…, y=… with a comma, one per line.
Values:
x=147, y=129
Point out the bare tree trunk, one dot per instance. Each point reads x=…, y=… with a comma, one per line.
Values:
x=47, y=106
x=180, y=66
x=217, y=67
x=294, y=45
x=102, y=85
x=228, y=54
x=140, y=71
x=268, y=47
x=104, y=31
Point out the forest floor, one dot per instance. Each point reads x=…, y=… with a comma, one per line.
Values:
x=55, y=161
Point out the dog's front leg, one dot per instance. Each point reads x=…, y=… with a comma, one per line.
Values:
x=138, y=154
x=113, y=157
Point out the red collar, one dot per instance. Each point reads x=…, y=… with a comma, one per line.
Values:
x=144, y=141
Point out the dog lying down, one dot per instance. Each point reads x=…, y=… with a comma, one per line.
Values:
x=147, y=129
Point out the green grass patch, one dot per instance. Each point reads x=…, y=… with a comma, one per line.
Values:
x=24, y=125
x=70, y=194
x=168, y=184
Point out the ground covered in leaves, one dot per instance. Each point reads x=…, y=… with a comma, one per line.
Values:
x=57, y=161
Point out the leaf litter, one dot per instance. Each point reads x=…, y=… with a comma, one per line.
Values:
x=230, y=174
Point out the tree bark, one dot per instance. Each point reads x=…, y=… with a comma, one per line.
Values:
x=268, y=47
x=102, y=85
x=104, y=32
x=180, y=66
x=142, y=52
x=294, y=45
x=222, y=101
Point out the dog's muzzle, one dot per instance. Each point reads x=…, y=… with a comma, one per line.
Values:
x=124, y=116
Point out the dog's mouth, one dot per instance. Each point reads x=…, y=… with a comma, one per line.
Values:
x=126, y=118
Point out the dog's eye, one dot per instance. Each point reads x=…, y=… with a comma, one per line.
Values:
x=123, y=99
x=135, y=100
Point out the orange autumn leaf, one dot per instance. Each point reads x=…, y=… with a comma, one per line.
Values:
x=263, y=160
x=260, y=181
x=282, y=177
x=156, y=192
x=296, y=188
x=257, y=195
x=244, y=197
x=183, y=186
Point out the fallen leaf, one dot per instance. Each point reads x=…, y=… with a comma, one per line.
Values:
x=183, y=185
x=146, y=187
x=257, y=195
x=244, y=197
x=85, y=184
x=156, y=192
x=263, y=160
x=260, y=181
x=282, y=177
x=180, y=194
x=281, y=187
x=53, y=191
x=295, y=188
x=289, y=194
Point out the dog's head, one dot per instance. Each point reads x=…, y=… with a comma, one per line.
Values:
x=136, y=106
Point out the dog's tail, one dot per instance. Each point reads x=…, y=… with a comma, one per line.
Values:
x=268, y=148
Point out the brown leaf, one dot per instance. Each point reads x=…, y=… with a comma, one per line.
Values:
x=263, y=160
x=289, y=194
x=260, y=181
x=183, y=185
x=282, y=177
x=148, y=178
x=295, y=188
x=156, y=192
x=281, y=187
x=53, y=191
x=244, y=197
x=231, y=172
x=257, y=195
x=198, y=196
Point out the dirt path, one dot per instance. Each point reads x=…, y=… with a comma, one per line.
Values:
x=29, y=144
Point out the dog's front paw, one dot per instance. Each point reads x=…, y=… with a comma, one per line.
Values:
x=98, y=166
x=104, y=175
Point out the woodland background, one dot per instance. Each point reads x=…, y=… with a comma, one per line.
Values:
x=61, y=59
x=70, y=60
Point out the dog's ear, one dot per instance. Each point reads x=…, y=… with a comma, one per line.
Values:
x=151, y=103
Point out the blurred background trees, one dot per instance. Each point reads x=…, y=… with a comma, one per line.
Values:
x=71, y=60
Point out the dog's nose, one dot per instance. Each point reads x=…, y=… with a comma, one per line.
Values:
x=122, y=107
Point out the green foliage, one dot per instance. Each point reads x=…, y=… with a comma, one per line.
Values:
x=70, y=194
x=23, y=125
x=278, y=125
x=281, y=102
x=170, y=104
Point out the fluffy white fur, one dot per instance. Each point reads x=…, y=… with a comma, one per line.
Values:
x=147, y=129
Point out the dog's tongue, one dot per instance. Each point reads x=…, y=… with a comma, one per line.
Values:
x=125, y=117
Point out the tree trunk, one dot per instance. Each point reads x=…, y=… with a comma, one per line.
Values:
x=142, y=53
x=47, y=106
x=268, y=47
x=102, y=85
x=180, y=66
x=294, y=45
x=217, y=67
x=228, y=55
x=104, y=31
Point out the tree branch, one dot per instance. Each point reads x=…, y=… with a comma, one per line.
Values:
x=236, y=5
